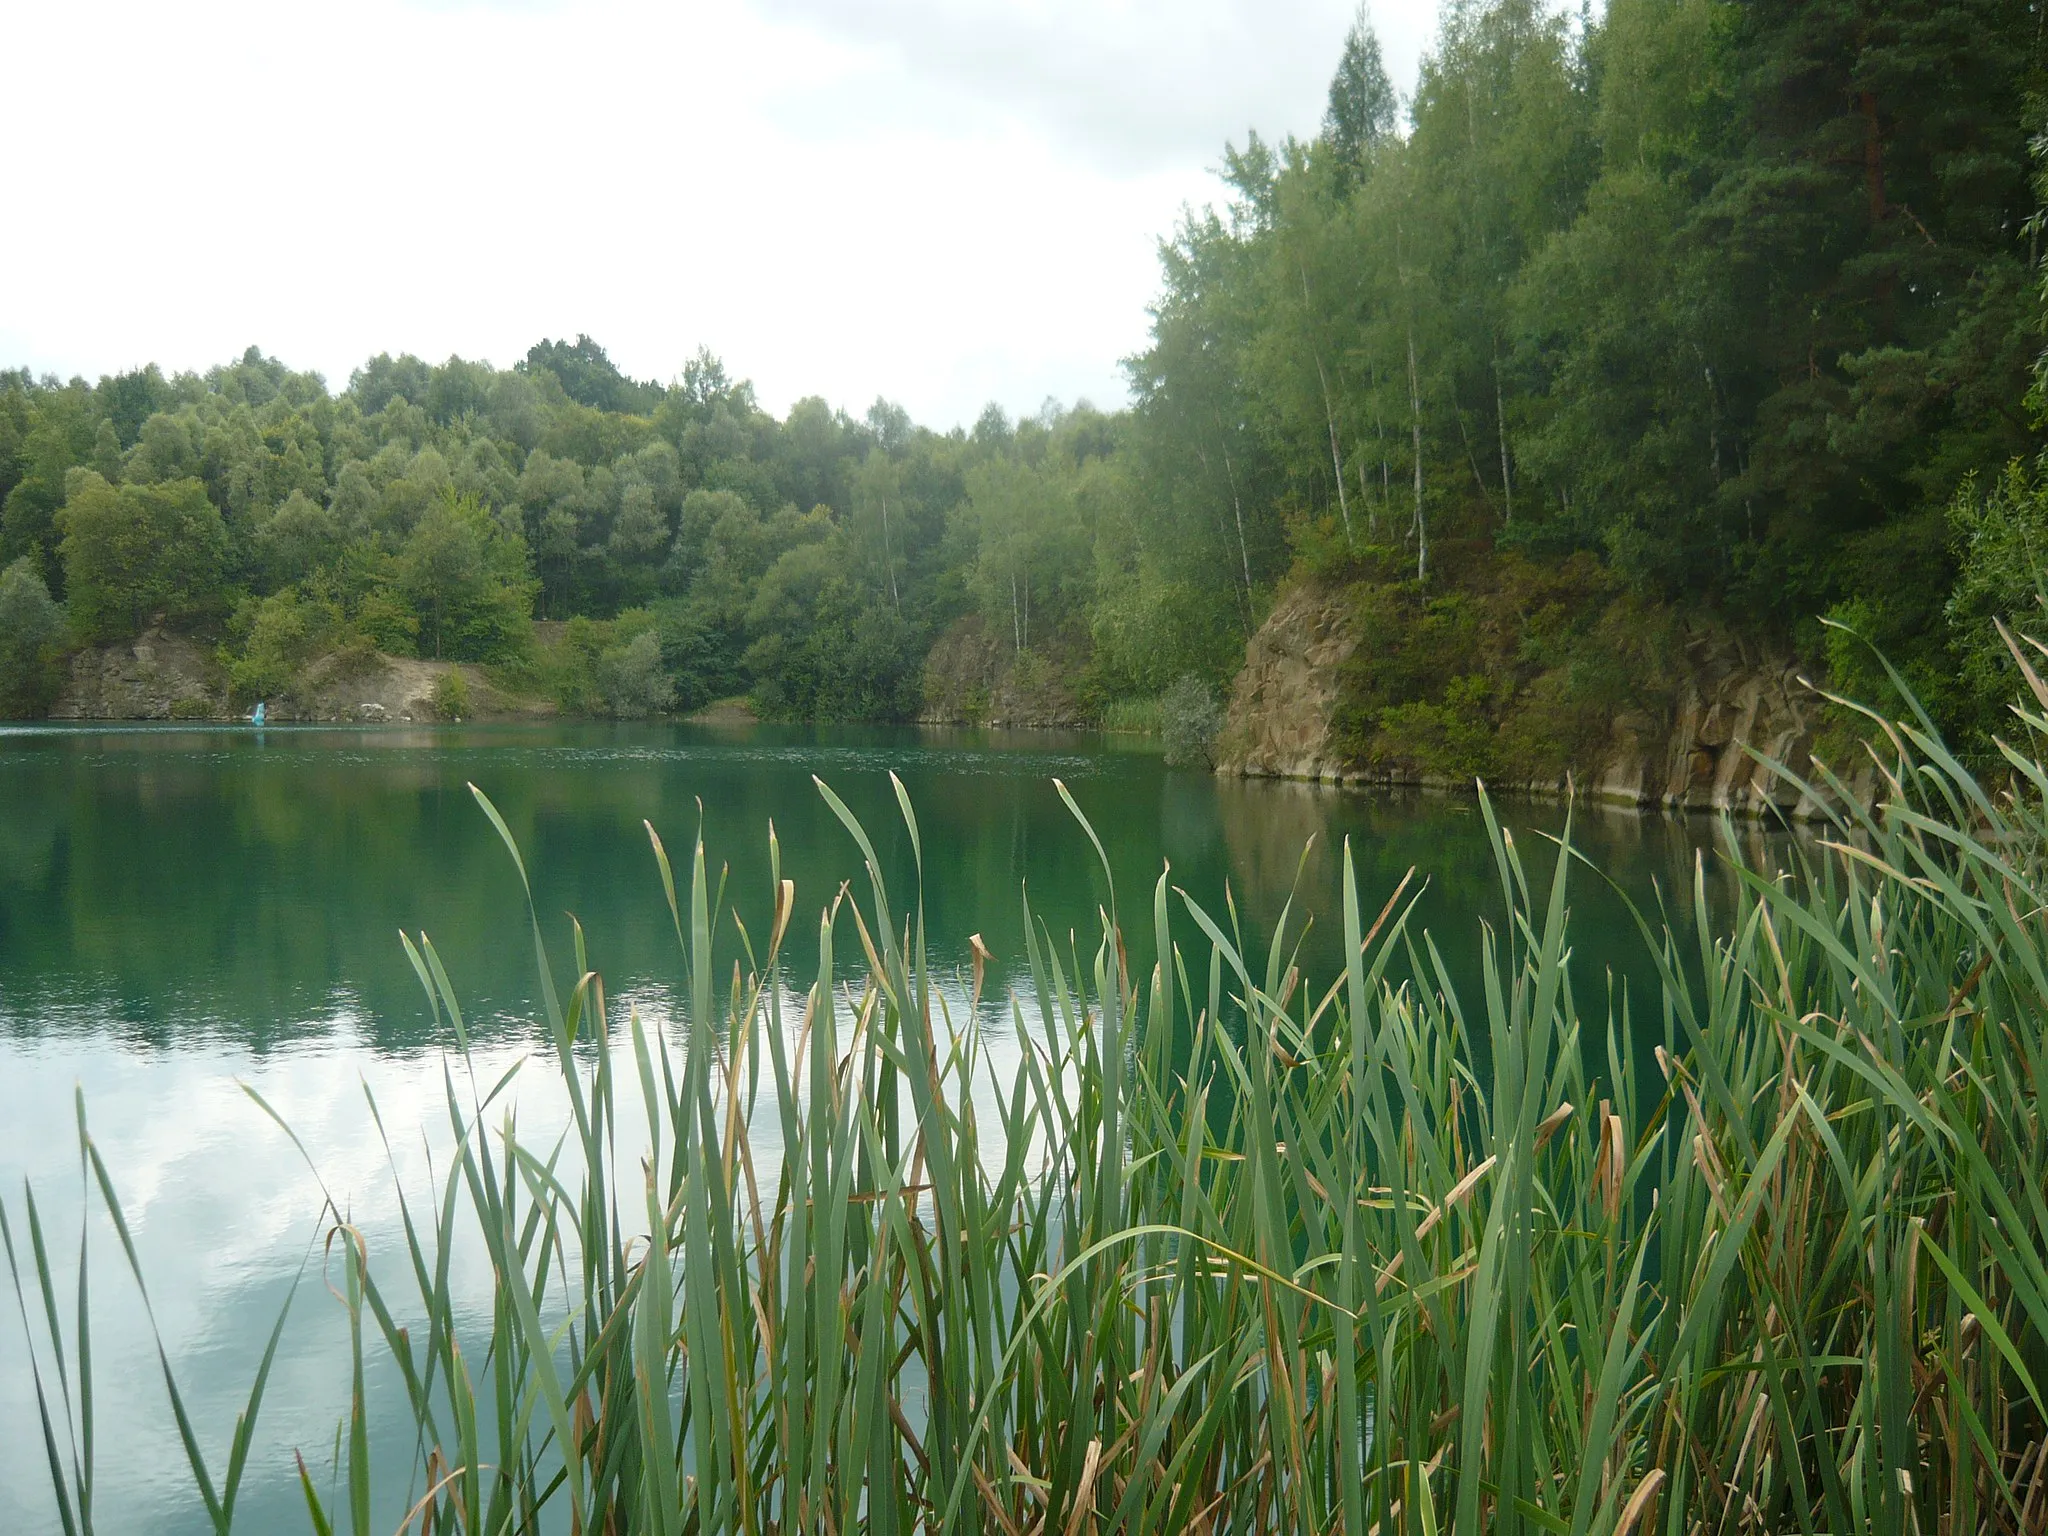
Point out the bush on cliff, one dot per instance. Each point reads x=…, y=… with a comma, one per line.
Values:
x=1506, y=668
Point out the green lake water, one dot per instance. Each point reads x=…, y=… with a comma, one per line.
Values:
x=185, y=911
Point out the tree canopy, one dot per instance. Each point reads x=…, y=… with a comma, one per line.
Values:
x=1694, y=313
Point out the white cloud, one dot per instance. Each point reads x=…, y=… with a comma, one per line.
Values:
x=941, y=201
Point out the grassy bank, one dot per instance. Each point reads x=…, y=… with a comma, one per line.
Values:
x=1243, y=1250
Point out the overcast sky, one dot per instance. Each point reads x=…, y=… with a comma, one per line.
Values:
x=944, y=202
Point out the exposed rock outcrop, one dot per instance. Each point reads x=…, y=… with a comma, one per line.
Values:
x=163, y=676
x=1733, y=704
x=159, y=676
x=976, y=677
x=1694, y=752
x=1283, y=704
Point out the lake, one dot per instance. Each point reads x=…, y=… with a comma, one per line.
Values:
x=183, y=912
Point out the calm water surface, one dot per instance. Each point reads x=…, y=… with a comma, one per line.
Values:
x=184, y=912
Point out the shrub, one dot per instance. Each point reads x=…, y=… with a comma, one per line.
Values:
x=390, y=626
x=567, y=670
x=357, y=658
x=1453, y=736
x=270, y=642
x=632, y=680
x=2001, y=534
x=31, y=633
x=1521, y=674
x=1145, y=632
x=451, y=696
x=1189, y=723
x=699, y=653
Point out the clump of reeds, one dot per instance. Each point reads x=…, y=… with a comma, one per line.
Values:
x=1386, y=1251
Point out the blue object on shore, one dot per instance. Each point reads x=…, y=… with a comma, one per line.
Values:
x=257, y=718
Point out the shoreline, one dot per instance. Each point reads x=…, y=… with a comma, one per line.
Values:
x=1805, y=809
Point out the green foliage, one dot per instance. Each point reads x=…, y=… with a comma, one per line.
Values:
x=466, y=574
x=1729, y=298
x=632, y=679
x=1189, y=722
x=270, y=641
x=567, y=670
x=134, y=552
x=2001, y=534
x=297, y=538
x=355, y=658
x=1147, y=631
x=1136, y=717
x=1032, y=561
x=821, y=650
x=607, y=667
x=698, y=652
x=403, y=503
x=385, y=620
x=589, y=377
x=451, y=695
x=31, y=641
x=1363, y=106
x=1514, y=675
x=1453, y=735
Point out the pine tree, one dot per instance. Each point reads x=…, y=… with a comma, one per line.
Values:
x=1363, y=107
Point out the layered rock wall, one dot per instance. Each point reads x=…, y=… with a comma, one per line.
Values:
x=1283, y=705
x=1692, y=750
x=1734, y=703
x=159, y=676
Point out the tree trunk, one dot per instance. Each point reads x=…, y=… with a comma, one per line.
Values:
x=1713, y=424
x=1471, y=457
x=887, y=560
x=1329, y=418
x=1415, y=417
x=1873, y=187
x=1873, y=156
x=1379, y=432
x=1500, y=421
x=1336, y=458
x=1230, y=476
x=1243, y=554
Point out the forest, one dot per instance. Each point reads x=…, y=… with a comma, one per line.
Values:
x=1695, y=317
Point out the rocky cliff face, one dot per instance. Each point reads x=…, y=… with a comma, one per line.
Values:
x=1733, y=703
x=162, y=676
x=1693, y=753
x=159, y=676
x=1284, y=701
x=974, y=677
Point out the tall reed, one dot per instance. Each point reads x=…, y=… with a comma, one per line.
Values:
x=1242, y=1250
